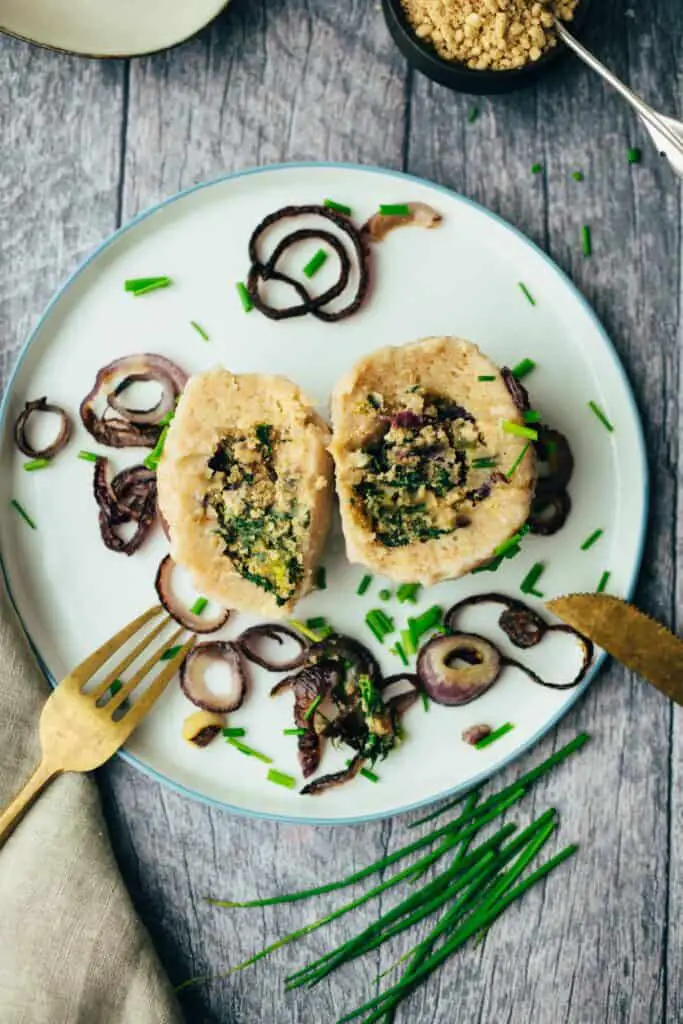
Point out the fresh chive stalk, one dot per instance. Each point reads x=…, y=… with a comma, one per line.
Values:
x=408, y=643
x=408, y=592
x=397, y=649
x=395, y=209
x=363, y=585
x=320, y=580
x=384, y=594
x=199, y=606
x=367, y=774
x=425, y=700
x=249, y=751
x=592, y=539
x=536, y=168
x=523, y=368
x=509, y=544
x=517, y=463
x=143, y=285
x=294, y=732
x=301, y=627
x=634, y=155
x=199, y=329
x=315, y=263
x=244, y=296
x=486, y=377
x=518, y=430
x=317, y=622
x=281, y=778
x=88, y=456
x=491, y=566
x=421, y=624
x=604, y=580
x=472, y=115
x=532, y=416
x=379, y=623
x=23, y=513
x=586, y=240
x=486, y=741
x=313, y=707
x=331, y=204
x=601, y=416
x=34, y=464
x=578, y=175
x=234, y=732
x=526, y=293
x=170, y=653
x=528, y=584
x=484, y=463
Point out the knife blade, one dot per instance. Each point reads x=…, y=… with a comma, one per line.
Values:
x=629, y=635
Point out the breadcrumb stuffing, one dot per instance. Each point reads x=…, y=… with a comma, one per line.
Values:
x=495, y=35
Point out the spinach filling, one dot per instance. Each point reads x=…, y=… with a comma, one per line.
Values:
x=416, y=471
x=257, y=513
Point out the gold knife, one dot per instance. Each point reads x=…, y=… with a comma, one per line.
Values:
x=629, y=635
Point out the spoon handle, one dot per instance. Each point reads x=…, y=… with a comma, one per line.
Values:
x=643, y=109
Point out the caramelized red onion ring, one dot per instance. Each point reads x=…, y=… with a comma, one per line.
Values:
x=194, y=686
x=131, y=428
x=555, y=461
x=420, y=215
x=518, y=393
x=248, y=638
x=308, y=685
x=549, y=513
x=400, y=691
x=457, y=668
x=130, y=497
x=266, y=269
x=183, y=615
x=20, y=434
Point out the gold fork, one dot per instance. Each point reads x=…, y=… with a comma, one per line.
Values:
x=78, y=732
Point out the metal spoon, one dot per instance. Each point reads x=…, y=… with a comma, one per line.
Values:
x=665, y=132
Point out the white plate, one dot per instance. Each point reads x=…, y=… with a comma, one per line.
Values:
x=102, y=28
x=460, y=279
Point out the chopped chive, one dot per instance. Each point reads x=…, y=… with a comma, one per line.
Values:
x=511, y=542
x=115, y=687
x=171, y=652
x=523, y=368
x=367, y=774
x=577, y=175
x=88, y=456
x=337, y=207
x=590, y=541
x=363, y=585
x=634, y=155
x=315, y=263
x=526, y=293
x=245, y=297
x=532, y=416
x=408, y=592
x=199, y=606
x=425, y=700
x=487, y=463
x=142, y=285
x=516, y=464
x=249, y=751
x=199, y=329
x=586, y=241
x=152, y=460
x=234, y=732
x=312, y=634
x=601, y=416
x=384, y=595
x=472, y=115
x=313, y=707
x=34, y=464
x=488, y=566
x=394, y=209
x=407, y=642
x=424, y=622
x=397, y=649
x=493, y=736
x=604, y=580
x=486, y=376
x=294, y=732
x=320, y=578
x=380, y=623
x=528, y=584
x=165, y=420
x=317, y=622
x=23, y=513
x=281, y=779
x=536, y=168
x=519, y=431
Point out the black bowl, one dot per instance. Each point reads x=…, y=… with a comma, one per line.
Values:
x=458, y=76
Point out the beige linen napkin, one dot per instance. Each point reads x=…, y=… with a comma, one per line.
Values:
x=72, y=950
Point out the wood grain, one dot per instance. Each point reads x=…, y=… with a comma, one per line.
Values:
x=320, y=79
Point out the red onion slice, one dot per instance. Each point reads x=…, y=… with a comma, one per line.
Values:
x=326, y=782
x=248, y=638
x=457, y=668
x=400, y=691
x=131, y=428
x=20, y=428
x=183, y=615
x=194, y=686
x=130, y=497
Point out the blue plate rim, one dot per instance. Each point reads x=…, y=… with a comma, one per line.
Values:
x=463, y=788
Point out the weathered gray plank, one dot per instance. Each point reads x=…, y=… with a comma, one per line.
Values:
x=282, y=81
x=60, y=124
x=589, y=949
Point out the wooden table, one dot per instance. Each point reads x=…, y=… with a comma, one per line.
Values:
x=85, y=145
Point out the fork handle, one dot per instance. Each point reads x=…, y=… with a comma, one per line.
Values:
x=10, y=817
